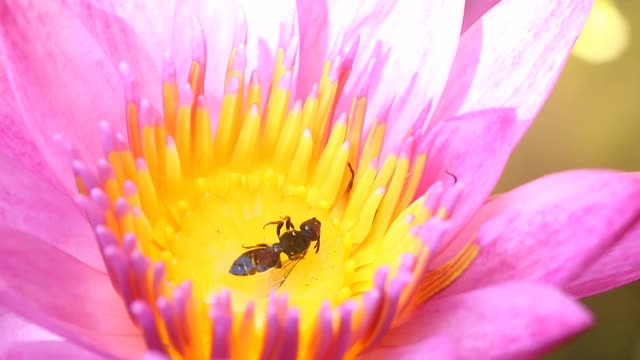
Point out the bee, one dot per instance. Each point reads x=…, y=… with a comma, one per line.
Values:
x=293, y=243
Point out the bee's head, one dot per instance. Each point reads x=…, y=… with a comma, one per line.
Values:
x=311, y=229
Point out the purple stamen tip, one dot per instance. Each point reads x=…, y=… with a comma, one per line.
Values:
x=314, y=91
x=186, y=95
x=170, y=141
x=100, y=198
x=166, y=311
x=105, y=171
x=106, y=238
x=183, y=291
x=344, y=330
x=324, y=330
x=141, y=267
x=254, y=110
x=432, y=233
x=334, y=71
x=272, y=329
x=225, y=299
x=409, y=218
x=136, y=212
x=297, y=106
x=168, y=69
x=146, y=113
x=291, y=53
x=91, y=210
x=380, y=277
x=143, y=313
x=395, y=148
x=130, y=188
x=158, y=278
x=255, y=79
x=366, y=84
x=80, y=169
x=383, y=115
x=406, y=150
x=240, y=59
x=414, y=231
x=129, y=243
x=370, y=300
x=393, y=292
x=407, y=262
x=285, y=81
x=131, y=90
x=351, y=54
x=290, y=337
x=233, y=86
x=342, y=119
x=434, y=193
x=450, y=198
x=201, y=102
x=107, y=137
x=141, y=164
x=220, y=314
x=121, y=142
x=374, y=163
x=121, y=207
x=420, y=125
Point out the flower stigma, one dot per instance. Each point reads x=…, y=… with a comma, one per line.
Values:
x=178, y=198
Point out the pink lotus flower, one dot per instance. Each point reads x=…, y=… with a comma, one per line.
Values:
x=412, y=263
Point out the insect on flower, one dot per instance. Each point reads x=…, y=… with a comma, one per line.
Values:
x=294, y=243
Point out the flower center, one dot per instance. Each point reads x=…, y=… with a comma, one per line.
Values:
x=204, y=221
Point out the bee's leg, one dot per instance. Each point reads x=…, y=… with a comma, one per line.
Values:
x=259, y=246
x=279, y=264
x=317, y=246
x=280, y=224
x=353, y=175
x=287, y=220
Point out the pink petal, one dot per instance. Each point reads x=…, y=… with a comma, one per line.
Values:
x=15, y=137
x=550, y=229
x=473, y=11
x=617, y=266
x=507, y=321
x=52, y=289
x=154, y=355
x=14, y=330
x=474, y=148
x=60, y=78
x=412, y=45
x=34, y=206
x=135, y=32
x=44, y=350
x=432, y=348
x=512, y=57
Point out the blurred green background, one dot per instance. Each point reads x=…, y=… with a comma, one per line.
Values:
x=592, y=120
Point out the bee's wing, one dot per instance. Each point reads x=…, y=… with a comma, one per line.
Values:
x=278, y=276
